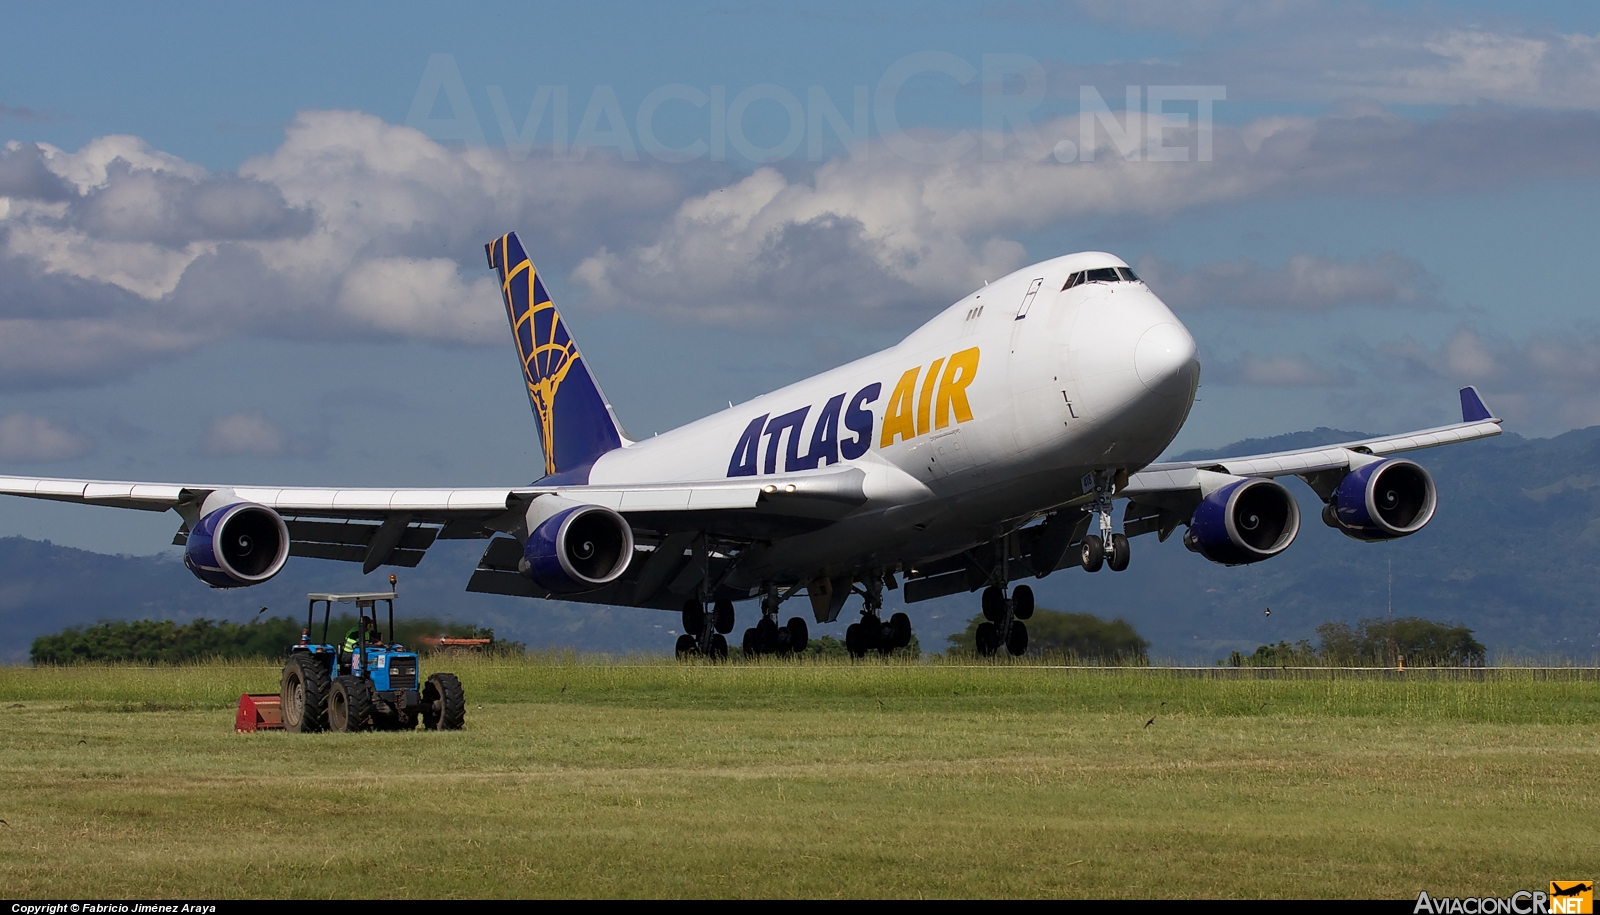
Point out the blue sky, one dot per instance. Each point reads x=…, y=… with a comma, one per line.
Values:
x=231, y=250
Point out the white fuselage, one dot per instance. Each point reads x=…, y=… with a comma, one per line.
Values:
x=981, y=421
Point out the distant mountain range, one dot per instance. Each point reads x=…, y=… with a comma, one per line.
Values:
x=1511, y=554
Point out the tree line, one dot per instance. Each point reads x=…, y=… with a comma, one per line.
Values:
x=167, y=642
x=1374, y=642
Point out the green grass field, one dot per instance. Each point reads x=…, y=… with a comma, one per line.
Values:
x=657, y=779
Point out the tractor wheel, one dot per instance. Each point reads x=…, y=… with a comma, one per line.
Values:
x=444, y=703
x=303, y=694
x=350, y=705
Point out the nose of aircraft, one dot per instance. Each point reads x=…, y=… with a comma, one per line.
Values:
x=1164, y=359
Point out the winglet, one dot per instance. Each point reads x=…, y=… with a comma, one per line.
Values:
x=1472, y=408
x=575, y=422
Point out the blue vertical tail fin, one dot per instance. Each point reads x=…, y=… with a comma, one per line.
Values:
x=576, y=424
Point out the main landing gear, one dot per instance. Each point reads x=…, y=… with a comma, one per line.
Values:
x=767, y=637
x=1105, y=548
x=704, y=634
x=1003, y=621
x=872, y=633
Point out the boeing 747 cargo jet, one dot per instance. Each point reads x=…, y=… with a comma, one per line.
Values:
x=989, y=446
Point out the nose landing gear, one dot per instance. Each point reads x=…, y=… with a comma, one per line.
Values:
x=1105, y=548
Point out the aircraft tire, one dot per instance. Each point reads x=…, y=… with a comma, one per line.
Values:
x=725, y=616
x=767, y=635
x=719, y=647
x=1017, y=641
x=694, y=616
x=1093, y=553
x=994, y=604
x=686, y=647
x=750, y=646
x=852, y=641
x=1022, y=602
x=988, y=639
x=799, y=636
x=1120, y=552
x=899, y=631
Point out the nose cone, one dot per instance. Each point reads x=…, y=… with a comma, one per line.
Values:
x=1164, y=359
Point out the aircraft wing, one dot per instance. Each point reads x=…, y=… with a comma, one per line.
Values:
x=396, y=526
x=1160, y=493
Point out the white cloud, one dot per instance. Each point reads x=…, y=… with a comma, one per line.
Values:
x=1317, y=51
x=25, y=437
x=357, y=229
x=352, y=228
x=248, y=434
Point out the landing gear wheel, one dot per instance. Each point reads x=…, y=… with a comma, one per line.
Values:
x=686, y=647
x=719, y=647
x=724, y=618
x=1022, y=602
x=350, y=705
x=899, y=630
x=767, y=635
x=749, y=645
x=994, y=604
x=1120, y=552
x=799, y=636
x=853, y=638
x=444, y=703
x=1017, y=641
x=303, y=694
x=1093, y=553
x=988, y=639
x=694, y=616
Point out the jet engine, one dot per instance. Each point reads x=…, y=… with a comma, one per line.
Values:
x=237, y=545
x=1382, y=500
x=575, y=546
x=1244, y=522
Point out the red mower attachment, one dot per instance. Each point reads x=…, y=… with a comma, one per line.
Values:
x=258, y=713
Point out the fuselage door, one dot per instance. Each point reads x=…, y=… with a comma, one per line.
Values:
x=1027, y=300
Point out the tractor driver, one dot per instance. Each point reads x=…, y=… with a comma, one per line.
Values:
x=353, y=638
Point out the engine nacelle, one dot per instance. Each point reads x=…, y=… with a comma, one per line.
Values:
x=237, y=545
x=1244, y=522
x=1383, y=500
x=575, y=546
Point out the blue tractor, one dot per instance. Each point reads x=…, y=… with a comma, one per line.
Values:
x=363, y=682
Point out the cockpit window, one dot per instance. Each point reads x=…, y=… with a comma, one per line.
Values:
x=1101, y=275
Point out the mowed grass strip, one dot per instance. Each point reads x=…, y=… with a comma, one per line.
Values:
x=658, y=779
